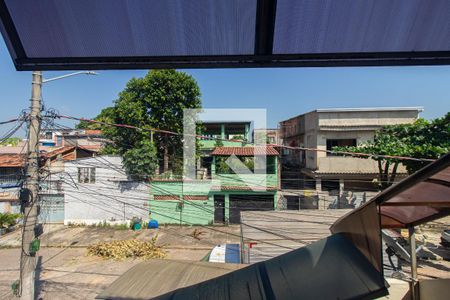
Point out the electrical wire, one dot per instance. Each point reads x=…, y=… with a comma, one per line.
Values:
x=233, y=140
x=298, y=148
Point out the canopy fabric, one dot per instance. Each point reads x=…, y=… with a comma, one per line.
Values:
x=331, y=268
x=123, y=34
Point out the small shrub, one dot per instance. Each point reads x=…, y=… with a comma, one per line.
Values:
x=8, y=219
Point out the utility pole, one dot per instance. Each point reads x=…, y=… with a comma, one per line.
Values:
x=29, y=198
x=29, y=195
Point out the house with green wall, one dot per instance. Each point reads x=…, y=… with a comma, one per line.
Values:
x=231, y=134
x=219, y=198
x=227, y=134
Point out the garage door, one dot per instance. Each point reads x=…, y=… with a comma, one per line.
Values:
x=240, y=203
x=51, y=208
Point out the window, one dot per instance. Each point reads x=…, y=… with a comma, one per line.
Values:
x=86, y=175
x=48, y=135
x=331, y=143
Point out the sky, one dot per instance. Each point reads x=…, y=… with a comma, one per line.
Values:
x=284, y=92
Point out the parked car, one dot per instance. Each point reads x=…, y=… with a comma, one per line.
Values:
x=445, y=238
x=226, y=253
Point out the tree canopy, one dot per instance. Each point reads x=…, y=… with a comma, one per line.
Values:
x=421, y=139
x=155, y=101
x=13, y=141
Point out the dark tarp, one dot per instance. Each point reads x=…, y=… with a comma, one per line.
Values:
x=331, y=268
x=363, y=229
x=107, y=34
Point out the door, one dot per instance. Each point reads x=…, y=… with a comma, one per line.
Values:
x=219, y=209
x=240, y=203
x=51, y=208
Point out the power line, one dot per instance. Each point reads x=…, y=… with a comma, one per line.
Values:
x=116, y=198
x=232, y=140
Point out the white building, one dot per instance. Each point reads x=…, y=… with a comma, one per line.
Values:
x=97, y=189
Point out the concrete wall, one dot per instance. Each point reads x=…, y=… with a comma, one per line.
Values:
x=112, y=198
x=325, y=163
x=188, y=212
x=310, y=139
x=252, y=180
x=178, y=208
x=434, y=289
x=318, y=126
x=364, y=118
x=347, y=165
x=10, y=207
x=172, y=210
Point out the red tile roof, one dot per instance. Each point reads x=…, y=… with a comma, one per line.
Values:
x=18, y=160
x=12, y=160
x=245, y=151
x=56, y=152
x=67, y=152
x=93, y=132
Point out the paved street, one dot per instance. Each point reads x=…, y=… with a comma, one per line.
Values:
x=67, y=271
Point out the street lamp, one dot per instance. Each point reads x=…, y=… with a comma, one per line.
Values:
x=69, y=75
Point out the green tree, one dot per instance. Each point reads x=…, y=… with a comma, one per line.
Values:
x=13, y=141
x=421, y=139
x=141, y=161
x=155, y=101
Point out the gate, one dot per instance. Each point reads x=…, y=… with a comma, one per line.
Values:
x=240, y=203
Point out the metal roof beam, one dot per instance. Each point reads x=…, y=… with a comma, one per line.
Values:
x=265, y=26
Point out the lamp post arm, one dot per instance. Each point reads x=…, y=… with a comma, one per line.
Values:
x=69, y=75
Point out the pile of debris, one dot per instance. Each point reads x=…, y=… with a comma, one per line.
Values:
x=127, y=249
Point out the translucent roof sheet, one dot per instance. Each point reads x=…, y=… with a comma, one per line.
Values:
x=131, y=34
x=342, y=26
x=419, y=198
x=86, y=28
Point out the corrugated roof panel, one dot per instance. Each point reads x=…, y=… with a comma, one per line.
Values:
x=108, y=28
x=125, y=34
x=346, y=26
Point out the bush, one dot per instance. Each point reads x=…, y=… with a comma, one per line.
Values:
x=8, y=219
